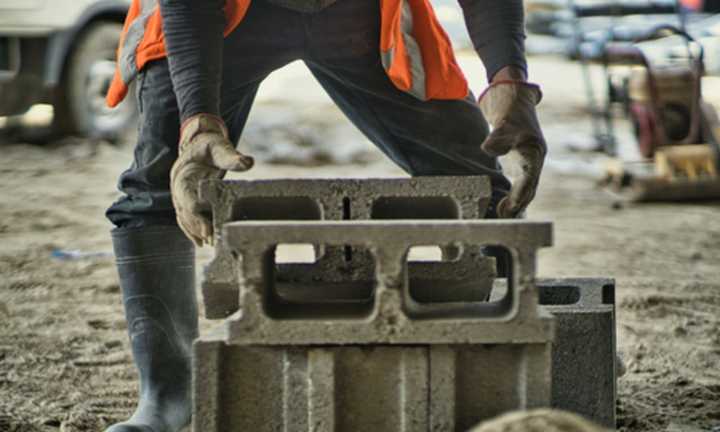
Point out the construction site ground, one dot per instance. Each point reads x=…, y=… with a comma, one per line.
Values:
x=64, y=358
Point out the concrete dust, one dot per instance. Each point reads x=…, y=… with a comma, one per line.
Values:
x=64, y=354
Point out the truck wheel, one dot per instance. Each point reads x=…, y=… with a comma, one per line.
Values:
x=80, y=107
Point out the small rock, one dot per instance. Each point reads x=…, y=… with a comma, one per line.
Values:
x=98, y=324
x=111, y=288
x=82, y=421
x=620, y=367
x=52, y=422
x=112, y=344
x=681, y=381
x=541, y=420
x=680, y=331
x=697, y=256
x=682, y=427
x=617, y=205
x=697, y=404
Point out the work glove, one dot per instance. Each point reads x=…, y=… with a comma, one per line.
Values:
x=509, y=106
x=204, y=153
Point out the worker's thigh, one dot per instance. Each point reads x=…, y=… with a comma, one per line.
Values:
x=440, y=137
x=268, y=38
x=145, y=185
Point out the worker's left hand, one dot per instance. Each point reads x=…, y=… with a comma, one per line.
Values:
x=205, y=152
x=509, y=106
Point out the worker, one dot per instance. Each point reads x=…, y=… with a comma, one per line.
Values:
x=197, y=65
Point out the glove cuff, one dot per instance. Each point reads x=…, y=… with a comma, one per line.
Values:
x=201, y=123
x=535, y=88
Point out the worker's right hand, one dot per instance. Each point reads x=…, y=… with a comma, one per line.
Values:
x=509, y=106
x=204, y=153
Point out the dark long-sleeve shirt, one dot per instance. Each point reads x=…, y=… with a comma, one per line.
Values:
x=193, y=35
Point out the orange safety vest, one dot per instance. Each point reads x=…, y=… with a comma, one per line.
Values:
x=415, y=50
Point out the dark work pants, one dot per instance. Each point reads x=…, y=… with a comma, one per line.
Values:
x=340, y=47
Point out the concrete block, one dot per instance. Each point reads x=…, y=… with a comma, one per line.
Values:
x=409, y=347
x=391, y=314
x=364, y=388
x=336, y=199
x=361, y=339
x=462, y=376
x=466, y=280
x=584, y=350
x=585, y=347
x=472, y=383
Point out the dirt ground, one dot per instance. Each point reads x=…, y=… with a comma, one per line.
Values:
x=64, y=359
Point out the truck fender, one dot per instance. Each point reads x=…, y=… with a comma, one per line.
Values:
x=61, y=43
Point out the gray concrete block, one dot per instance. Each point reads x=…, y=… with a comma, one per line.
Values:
x=468, y=279
x=364, y=388
x=462, y=376
x=416, y=347
x=391, y=315
x=361, y=339
x=584, y=350
x=207, y=383
x=585, y=345
x=472, y=383
x=333, y=199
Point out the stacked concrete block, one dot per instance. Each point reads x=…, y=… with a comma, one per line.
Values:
x=450, y=198
x=391, y=315
x=389, y=363
x=361, y=339
x=375, y=388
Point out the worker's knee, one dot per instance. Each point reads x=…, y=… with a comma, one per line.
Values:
x=142, y=209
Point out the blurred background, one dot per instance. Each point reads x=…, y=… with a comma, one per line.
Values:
x=631, y=89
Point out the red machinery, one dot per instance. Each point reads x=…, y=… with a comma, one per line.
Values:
x=673, y=125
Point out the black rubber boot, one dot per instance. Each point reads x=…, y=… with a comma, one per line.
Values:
x=157, y=276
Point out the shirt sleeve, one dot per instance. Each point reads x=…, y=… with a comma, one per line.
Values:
x=497, y=30
x=194, y=41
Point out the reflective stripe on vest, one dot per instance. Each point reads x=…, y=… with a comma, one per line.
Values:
x=416, y=86
x=417, y=53
x=415, y=50
x=127, y=58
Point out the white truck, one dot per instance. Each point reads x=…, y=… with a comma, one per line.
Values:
x=62, y=52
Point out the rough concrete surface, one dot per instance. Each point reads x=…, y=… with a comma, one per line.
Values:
x=434, y=197
x=586, y=365
x=462, y=363
x=584, y=357
x=585, y=350
x=391, y=316
x=583, y=353
x=583, y=375
x=364, y=387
